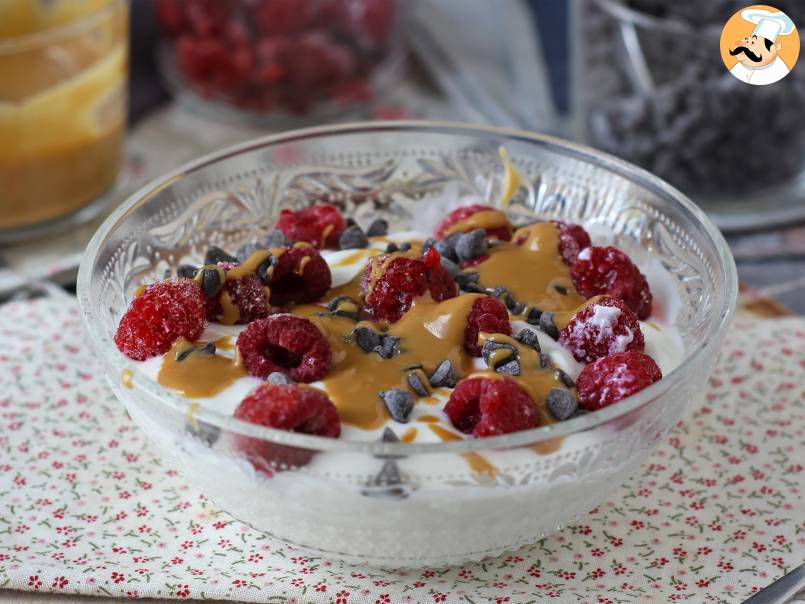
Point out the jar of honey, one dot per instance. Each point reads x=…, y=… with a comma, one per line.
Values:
x=63, y=68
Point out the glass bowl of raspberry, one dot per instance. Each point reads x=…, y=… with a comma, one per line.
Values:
x=280, y=62
x=363, y=339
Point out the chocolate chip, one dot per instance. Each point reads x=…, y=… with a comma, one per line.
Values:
x=548, y=325
x=208, y=348
x=443, y=376
x=544, y=361
x=391, y=248
x=517, y=309
x=565, y=378
x=562, y=290
x=367, y=338
x=417, y=385
x=389, y=436
x=186, y=271
x=509, y=368
x=562, y=404
x=468, y=282
x=351, y=221
x=497, y=361
x=378, y=228
x=446, y=250
x=215, y=255
x=399, y=404
x=502, y=294
x=534, y=316
x=405, y=246
x=529, y=338
x=279, y=379
x=211, y=282
x=427, y=244
x=471, y=245
x=245, y=251
x=265, y=268
x=451, y=267
x=276, y=238
x=387, y=347
x=388, y=483
x=353, y=238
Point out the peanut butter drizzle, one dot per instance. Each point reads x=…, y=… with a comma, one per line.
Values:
x=199, y=374
x=224, y=343
x=485, y=219
x=409, y=435
x=140, y=290
x=478, y=464
x=127, y=378
x=512, y=177
x=531, y=271
x=562, y=318
x=428, y=419
x=359, y=255
x=230, y=312
x=351, y=288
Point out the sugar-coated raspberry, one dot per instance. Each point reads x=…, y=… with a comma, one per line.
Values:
x=572, y=239
x=614, y=377
x=490, y=406
x=247, y=294
x=286, y=343
x=607, y=270
x=488, y=315
x=285, y=407
x=301, y=275
x=160, y=315
x=503, y=233
x=320, y=225
x=604, y=327
x=402, y=280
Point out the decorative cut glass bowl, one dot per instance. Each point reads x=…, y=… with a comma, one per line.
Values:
x=436, y=510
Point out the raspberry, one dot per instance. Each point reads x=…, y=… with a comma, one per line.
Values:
x=604, y=327
x=320, y=225
x=572, y=239
x=490, y=406
x=247, y=293
x=293, y=408
x=301, y=275
x=286, y=343
x=607, y=270
x=402, y=280
x=503, y=233
x=158, y=317
x=487, y=315
x=614, y=377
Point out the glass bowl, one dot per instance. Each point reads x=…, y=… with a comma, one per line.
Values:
x=397, y=504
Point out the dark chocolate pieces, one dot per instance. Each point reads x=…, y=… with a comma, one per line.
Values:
x=399, y=403
x=562, y=404
x=353, y=238
x=443, y=376
x=208, y=348
x=501, y=357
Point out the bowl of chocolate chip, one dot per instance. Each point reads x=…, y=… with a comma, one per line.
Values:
x=364, y=339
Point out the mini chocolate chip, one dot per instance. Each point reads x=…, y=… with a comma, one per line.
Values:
x=186, y=271
x=565, y=378
x=415, y=381
x=335, y=302
x=509, y=368
x=387, y=347
x=502, y=294
x=208, y=348
x=471, y=245
x=264, y=269
x=562, y=290
x=534, y=316
x=353, y=238
x=548, y=325
x=388, y=483
x=352, y=315
x=446, y=250
x=490, y=347
x=469, y=283
x=391, y=248
x=245, y=251
x=399, y=403
x=443, y=376
x=451, y=267
x=276, y=238
x=544, y=361
x=529, y=338
x=351, y=221
x=215, y=255
x=279, y=379
x=367, y=338
x=389, y=436
x=427, y=244
x=518, y=309
x=562, y=404
x=378, y=228
x=211, y=282
x=405, y=246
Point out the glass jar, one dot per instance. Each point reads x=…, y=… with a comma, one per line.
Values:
x=280, y=61
x=63, y=67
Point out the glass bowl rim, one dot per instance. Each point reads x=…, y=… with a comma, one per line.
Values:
x=116, y=364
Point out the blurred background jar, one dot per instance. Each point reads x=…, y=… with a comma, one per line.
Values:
x=280, y=62
x=656, y=92
x=63, y=68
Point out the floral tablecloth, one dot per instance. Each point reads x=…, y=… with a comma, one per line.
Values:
x=87, y=507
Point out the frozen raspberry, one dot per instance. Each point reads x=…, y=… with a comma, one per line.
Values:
x=488, y=315
x=301, y=275
x=613, y=378
x=285, y=407
x=402, y=280
x=158, y=317
x=320, y=225
x=247, y=293
x=503, y=233
x=490, y=406
x=607, y=270
x=286, y=343
x=604, y=327
x=572, y=239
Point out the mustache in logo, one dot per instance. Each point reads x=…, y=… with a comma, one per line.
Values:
x=743, y=49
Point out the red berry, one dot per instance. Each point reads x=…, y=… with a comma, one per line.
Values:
x=286, y=343
x=389, y=296
x=320, y=225
x=614, y=377
x=607, y=270
x=503, y=233
x=282, y=16
x=158, y=317
x=490, y=406
x=572, y=239
x=604, y=327
x=301, y=275
x=293, y=408
x=488, y=315
x=247, y=294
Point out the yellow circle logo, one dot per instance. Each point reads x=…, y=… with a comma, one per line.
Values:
x=760, y=45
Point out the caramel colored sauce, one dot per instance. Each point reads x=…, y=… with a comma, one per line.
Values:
x=485, y=219
x=251, y=264
x=231, y=313
x=127, y=378
x=562, y=318
x=199, y=374
x=409, y=435
x=359, y=255
x=224, y=343
x=512, y=178
x=428, y=419
x=477, y=463
x=531, y=271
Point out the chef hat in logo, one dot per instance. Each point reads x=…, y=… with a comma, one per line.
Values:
x=768, y=24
